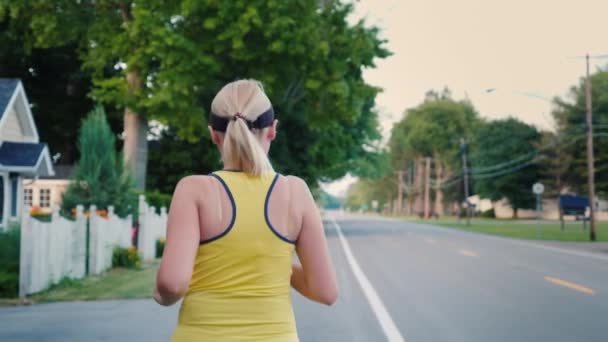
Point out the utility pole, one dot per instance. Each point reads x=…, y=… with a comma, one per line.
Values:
x=590, y=158
x=465, y=172
x=427, y=186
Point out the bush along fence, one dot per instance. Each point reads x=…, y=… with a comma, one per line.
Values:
x=65, y=248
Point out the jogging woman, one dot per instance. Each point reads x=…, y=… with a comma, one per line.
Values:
x=231, y=235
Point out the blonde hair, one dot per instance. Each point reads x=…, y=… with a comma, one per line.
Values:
x=242, y=146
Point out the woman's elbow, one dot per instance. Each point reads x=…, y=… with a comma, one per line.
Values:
x=171, y=288
x=328, y=297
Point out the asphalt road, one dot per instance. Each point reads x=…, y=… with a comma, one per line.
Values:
x=411, y=283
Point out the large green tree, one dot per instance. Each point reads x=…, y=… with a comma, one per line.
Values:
x=54, y=82
x=165, y=60
x=502, y=142
x=570, y=116
x=434, y=129
x=172, y=157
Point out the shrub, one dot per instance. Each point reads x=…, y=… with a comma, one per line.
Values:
x=488, y=213
x=44, y=217
x=9, y=262
x=100, y=177
x=126, y=257
x=158, y=199
x=160, y=247
x=37, y=213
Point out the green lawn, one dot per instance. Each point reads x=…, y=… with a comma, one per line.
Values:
x=118, y=283
x=524, y=229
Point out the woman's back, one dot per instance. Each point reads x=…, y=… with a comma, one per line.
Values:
x=231, y=235
x=241, y=280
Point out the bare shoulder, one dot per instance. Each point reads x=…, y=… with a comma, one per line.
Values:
x=297, y=184
x=299, y=188
x=194, y=184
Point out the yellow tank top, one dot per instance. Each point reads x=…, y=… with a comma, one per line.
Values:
x=240, y=286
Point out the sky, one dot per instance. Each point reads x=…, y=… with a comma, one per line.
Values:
x=526, y=50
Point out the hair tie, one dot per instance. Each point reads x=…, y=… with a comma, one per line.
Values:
x=238, y=116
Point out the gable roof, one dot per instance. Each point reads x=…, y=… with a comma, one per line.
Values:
x=26, y=157
x=20, y=154
x=61, y=172
x=8, y=86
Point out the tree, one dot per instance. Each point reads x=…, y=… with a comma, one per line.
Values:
x=165, y=60
x=100, y=177
x=172, y=158
x=570, y=116
x=55, y=85
x=498, y=142
x=434, y=129
x=361, y=193
x=553, y=163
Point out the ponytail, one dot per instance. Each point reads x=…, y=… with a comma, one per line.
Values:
x=242, y=148
x=241, y=111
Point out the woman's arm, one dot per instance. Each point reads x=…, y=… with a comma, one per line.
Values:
x=298, y=282
x=315, y=278
x=183, y=236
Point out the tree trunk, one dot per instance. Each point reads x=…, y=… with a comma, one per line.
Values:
x=514, y=213
x=438, y=191
x=427, y=188
x=136, y=131
x=418, y=187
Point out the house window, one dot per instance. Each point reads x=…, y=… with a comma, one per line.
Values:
x=45, y=198
x=28, y=197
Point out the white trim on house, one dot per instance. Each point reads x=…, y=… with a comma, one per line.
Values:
x=30, y=132
x=11, y=101
x=28, y=110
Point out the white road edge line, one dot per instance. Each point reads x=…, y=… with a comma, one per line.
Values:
x=383, y=317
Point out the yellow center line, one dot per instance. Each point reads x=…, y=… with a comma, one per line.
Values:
x=468, y=253
x=570, y=285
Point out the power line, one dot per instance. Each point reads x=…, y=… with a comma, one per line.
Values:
x=532, y=154
x=512, y=165
x=491, y=171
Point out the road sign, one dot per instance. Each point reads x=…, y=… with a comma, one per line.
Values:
x=538, y=188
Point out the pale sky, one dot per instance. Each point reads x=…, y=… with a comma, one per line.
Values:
x=515, y=47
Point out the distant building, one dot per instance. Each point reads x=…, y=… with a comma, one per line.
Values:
x=46, y=192
x=21, y=152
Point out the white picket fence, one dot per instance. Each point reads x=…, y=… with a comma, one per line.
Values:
x=104, y=235
x=152, y=227
x=51, y=251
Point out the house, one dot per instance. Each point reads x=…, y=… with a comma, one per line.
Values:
x=22, y=155
x=46, y=192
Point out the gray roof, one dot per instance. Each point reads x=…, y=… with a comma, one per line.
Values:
x=20, y=154
x=7, y=89
x=61, y=172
